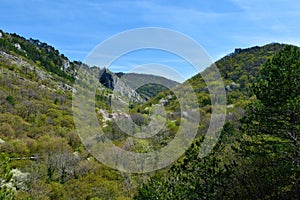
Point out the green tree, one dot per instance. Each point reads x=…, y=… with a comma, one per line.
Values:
x=6, y=193
x=191, y=177
x=265, y=160
x=273, y=124
x=11, y=100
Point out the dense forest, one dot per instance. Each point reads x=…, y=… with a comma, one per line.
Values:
x=42, y=156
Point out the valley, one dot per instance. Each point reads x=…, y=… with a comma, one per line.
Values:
x=44, y=157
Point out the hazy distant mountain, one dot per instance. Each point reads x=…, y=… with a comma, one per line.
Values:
x=151, y=85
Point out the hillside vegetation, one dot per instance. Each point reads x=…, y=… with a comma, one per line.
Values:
x=42, y=156
x=37, y=133
x=257, y=155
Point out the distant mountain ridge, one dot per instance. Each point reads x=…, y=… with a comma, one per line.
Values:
x=151, y=85
x=47, y=57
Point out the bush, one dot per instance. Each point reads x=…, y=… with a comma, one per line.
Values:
x=11, y=100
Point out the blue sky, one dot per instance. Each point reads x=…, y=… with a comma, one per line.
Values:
x=219, y=26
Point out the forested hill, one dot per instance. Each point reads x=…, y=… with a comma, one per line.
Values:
x=239, y=70
x=40, y=53
x=151, y=85
x=147, y=86
x=47, y=57
x=243, y=65
x=257, y=154
x=42, y=156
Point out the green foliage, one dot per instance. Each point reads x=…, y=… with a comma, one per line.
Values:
x=6, y=193
x=151, y=85
x=151, y=90
x=191, y=177
x=273, y=121
x=37, y=130
x=11, y=100
x=41, y=53
x=259, y=161
x=242, y=68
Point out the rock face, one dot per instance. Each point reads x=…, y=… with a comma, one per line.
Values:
x=130, y=84
x=39, y=73
x=18, y=46
x=23, y=65
x=124, y=90
x=232, y=86
x=107, y=79
x=113, y=82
